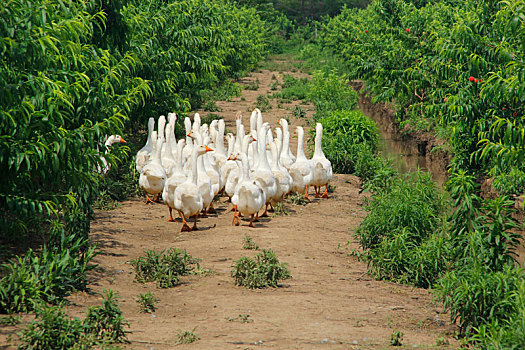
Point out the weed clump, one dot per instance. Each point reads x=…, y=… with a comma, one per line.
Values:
x=53, y=329
x=297, y=199
x=280, y=210
x=147, y=302
x=164, y=268
x=263, y=103
x=249, y=244
x=261, y=272
x=187, y=337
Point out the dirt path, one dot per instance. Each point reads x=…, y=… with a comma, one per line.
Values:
x=329, y=303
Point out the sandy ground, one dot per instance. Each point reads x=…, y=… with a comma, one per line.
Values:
x=330, y=301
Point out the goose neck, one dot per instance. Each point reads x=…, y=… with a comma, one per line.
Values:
x=300, y=142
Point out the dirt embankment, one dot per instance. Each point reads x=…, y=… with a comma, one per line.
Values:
x=419, y=149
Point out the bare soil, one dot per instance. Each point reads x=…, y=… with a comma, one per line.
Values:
x=330, y=302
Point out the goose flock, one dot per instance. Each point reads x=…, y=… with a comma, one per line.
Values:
x=256, y=170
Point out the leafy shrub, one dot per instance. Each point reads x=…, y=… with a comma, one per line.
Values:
x=475, y=295
x=294, y=89
x=261, y=272
x=376, y=173
x=402, y=232
x=165, y=269
x=147, y=302
x=400, y=258
x=413, y=202
x=329, y=92
x=510, y=183
x=105, y=322
x=53, y=329
x=508, y=333
x=346, y=135
x=49, y=276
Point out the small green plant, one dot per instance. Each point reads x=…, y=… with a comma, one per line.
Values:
x=298, y=112
x=164, y=268
x=263, y=103
x=275, y=85
x=441, y=341
x=261, y=272
x=253, y=85
x=106, y=322
x=211, y=106
x=147, y=302
x=280, y=210
x=187, y=337
x=249, y=244
x=105, y=202
x=242, y=318
x=396, y=338
x=297, y=199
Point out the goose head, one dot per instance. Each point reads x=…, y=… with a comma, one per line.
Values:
x=114, y=139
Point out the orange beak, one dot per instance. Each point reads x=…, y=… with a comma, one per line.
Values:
x=189, y=135
x=122, y=140
x=208, y=149
x=254, y=139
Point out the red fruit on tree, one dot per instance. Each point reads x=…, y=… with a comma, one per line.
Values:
x=471, y=78
x=515, y=114
x=408, y=30
x=475, y=80
x=366, y=31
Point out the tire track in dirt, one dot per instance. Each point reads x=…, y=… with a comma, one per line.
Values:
x=330, y=302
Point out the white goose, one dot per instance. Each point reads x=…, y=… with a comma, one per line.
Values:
x=220, y=152
x=172, y=182
x=249, y=198
x=188, y=198
x=144, y=154
x=263, y=175
x=167, y=158
x=322, y=168
x=107, y=145
x=301, y=171
x=203, y=180
x=188, y=149
x=235, y=174
x=153, y=175
x=282, y=177
x=287, y=158
x=161, y=129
